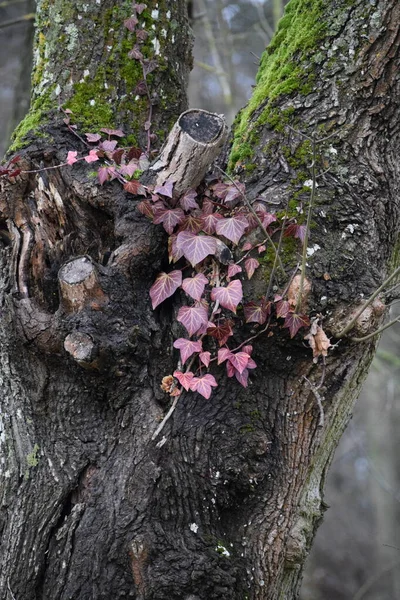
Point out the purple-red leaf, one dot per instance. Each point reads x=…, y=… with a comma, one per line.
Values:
x=191, y=223
x=221, y=332
x=131, y=23
x=229, y=296
x=116, y=132
x=209, y=222
x=242, y=377
x=169, y=218
x=257, y=312
x=203, y=385
x=103, y=174
x=109, y=145
x=232, y=228
x=165, y=189
x=139, y=7
x=71, y=157
x=282, y=308
x=239, y=361
x=92, y=156
x=205, y=358
x=234, y=270
x=193, y=318
x=93, y=137
x=146, y=208
x=184, y=378
x=187, y=201
x=164, y=286
x=194, y=286
x=223, y=355
x=251, y=265
x=187, y=348
x=195, y=247
x=294, y=322
x=297, y=231
x=135, y=187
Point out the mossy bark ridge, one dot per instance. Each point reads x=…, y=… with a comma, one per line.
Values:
x=226, y=503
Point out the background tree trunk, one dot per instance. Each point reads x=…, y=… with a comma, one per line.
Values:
x=227, y=505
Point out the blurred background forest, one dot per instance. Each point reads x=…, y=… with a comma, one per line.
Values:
x=356, y=554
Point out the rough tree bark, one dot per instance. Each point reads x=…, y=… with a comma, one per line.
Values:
x=228, y=505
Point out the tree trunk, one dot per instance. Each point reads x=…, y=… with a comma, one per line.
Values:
x=226, y=502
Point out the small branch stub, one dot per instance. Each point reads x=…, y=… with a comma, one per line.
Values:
x=81, y=347
x=192, y=146
x=79, y=285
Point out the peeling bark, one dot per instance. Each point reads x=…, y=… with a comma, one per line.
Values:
x=227, y=506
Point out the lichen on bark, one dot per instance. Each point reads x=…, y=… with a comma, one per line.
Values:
x=98, y=81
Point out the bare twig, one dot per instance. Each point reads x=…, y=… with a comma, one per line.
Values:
x=277, y=253
x=10, y=590
x=354, y=320
x=308, y=225
x=377, y=332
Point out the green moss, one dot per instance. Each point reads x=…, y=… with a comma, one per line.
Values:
x=248, y=428
x=31, y=126
x=286, y=67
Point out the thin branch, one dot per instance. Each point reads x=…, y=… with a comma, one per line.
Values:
x=377, y=332
x=10, y=590
x=354, y=320
x=271, y=278
x=308, y=225
x=165, y=419
x=255, y=215
x=23, y=19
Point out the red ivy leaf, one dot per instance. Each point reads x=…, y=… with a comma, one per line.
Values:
x=209, y=222
x=282, y=309
x=103, y=174
x=251, y=265
x=191, y=223
x=187, y=348
x=135, y=53
x=267, y=219
x=203, y=385
x=146, y=209
x=239, y=361
x=135, y=187
x=174, y=254
x=194, y=286
x=184, y=378
x=141, y=35
x=165, y=189
x=195, y=247
x=164, y=286
x=234, y=270
x=235, y=191
x=232, y=228
x=297, y=231
x=205, y=358
x=223, y=355
x=92, y=156
x=131, y=23
x=294, y=322
x=242, y=377
x=149, y=66
x=139, y=7
x=93, y=137
x=187, y=201
x=193, y=318
x=169, y=218
x=229, y=296
x=221, y=332
x=257, y=312
x=71, y=157
x=129, y=169
x=133, y=152
x=109, y=145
